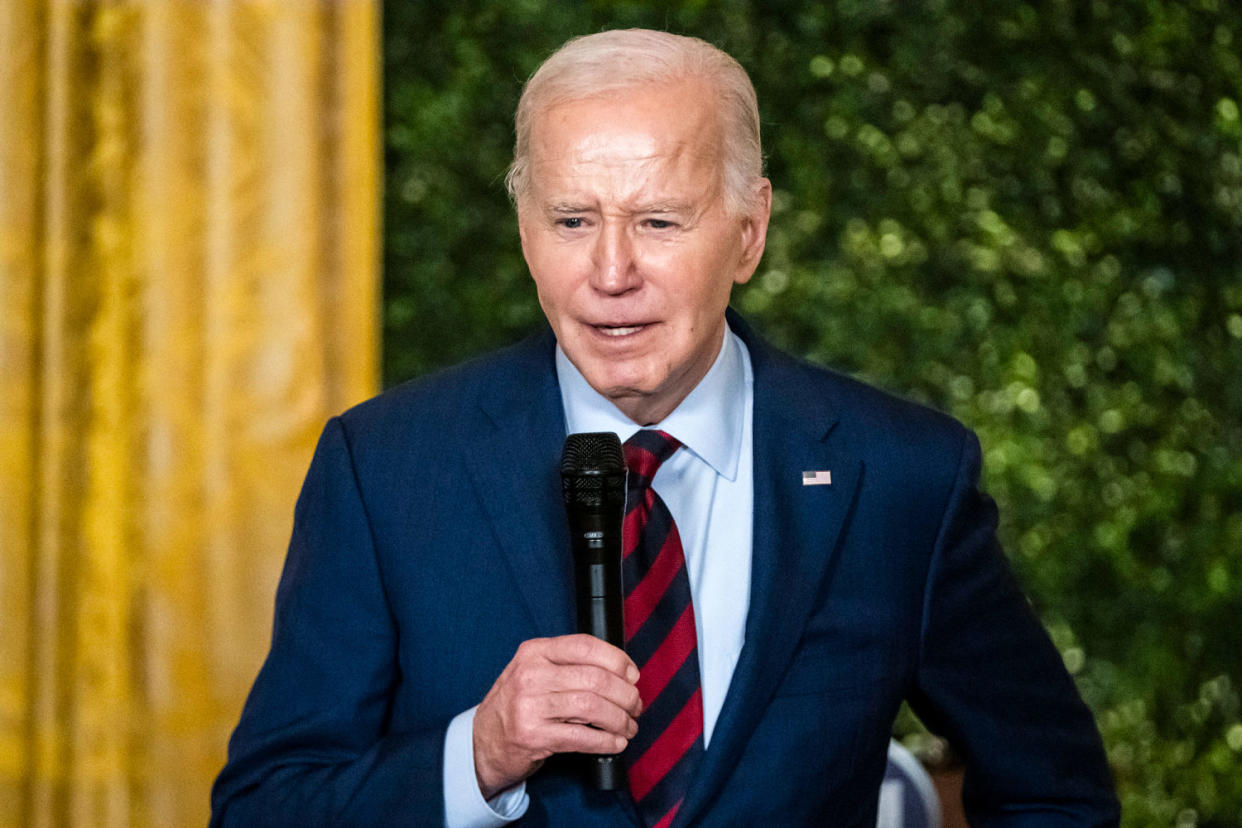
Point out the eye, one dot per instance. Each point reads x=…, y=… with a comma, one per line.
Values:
x=659, y=224
x=570, y=223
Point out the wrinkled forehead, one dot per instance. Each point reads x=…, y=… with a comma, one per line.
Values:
x=675, y=127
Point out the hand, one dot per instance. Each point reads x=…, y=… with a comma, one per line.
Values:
x=573, y=693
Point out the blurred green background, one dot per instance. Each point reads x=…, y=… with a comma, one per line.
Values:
x=1026, y=214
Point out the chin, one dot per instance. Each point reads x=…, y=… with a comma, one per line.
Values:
x=609, y=379
x=621, y=391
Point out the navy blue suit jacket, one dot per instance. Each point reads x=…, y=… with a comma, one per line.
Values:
x=430, y=540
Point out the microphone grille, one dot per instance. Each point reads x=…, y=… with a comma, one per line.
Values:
x=596, y=452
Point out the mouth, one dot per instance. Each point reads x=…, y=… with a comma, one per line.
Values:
x=617, y=331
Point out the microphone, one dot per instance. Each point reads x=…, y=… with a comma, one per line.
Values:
x=593, y=486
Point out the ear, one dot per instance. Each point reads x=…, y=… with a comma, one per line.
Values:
x=754, y=231
x=521, y=223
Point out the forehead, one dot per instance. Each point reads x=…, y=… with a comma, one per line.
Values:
x=669, y=129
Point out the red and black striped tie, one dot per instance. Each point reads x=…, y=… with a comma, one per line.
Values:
x=660, y=636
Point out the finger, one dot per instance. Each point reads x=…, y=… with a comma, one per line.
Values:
x=532, y=680
x=587, y=649
x=592, y=679
x=564, y=737
x=581, y=707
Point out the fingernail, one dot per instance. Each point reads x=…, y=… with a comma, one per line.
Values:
x=620, y=743
x=631, y=674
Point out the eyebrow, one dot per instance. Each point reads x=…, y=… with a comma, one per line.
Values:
x=665, y=207
x=565, y=207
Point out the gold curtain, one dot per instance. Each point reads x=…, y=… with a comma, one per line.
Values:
x=188, y=240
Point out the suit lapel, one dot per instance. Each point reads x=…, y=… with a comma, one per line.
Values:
x=514, y=461
x=796, y=530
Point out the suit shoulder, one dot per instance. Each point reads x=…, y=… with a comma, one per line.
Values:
x=872, y=416
x=441, y=399
x=814, y=394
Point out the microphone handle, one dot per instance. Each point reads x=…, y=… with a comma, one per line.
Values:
x=608, y=773
x=597, y=565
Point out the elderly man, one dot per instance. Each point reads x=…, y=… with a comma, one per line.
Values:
x=802, y=552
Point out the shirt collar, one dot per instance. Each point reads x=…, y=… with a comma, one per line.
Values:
x=709, y=421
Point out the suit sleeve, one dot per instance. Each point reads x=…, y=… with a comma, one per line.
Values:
x=991, y=681
x=312, y=746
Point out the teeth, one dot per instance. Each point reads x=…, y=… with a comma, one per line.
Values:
x=619, y=331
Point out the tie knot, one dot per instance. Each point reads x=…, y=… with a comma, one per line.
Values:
x=644, y=452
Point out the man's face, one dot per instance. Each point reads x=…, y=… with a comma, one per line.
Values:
x=625, y=232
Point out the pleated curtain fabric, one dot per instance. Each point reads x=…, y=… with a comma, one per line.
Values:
x=188, y=290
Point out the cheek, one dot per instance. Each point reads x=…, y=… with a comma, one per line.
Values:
x=711, y=297
x=551, y=283
x=558, y=271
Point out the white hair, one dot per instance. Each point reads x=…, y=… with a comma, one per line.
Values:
x=620, y=60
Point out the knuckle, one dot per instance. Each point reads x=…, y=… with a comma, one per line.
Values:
x=580, y=646
x=582, y=704
x=525, y=713
x=528, y=648
x=594, y=679
x=581, y=677
x=526, y=681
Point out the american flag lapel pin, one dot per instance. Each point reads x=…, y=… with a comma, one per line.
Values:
x=817, y=478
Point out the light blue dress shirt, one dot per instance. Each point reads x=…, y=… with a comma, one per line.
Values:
x=708, y=487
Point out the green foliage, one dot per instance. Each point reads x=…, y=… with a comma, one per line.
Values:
x=1029, y=217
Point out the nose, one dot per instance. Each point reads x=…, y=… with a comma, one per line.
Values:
x=614, y=268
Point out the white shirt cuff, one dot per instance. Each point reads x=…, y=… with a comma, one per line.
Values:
x=464, y=805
